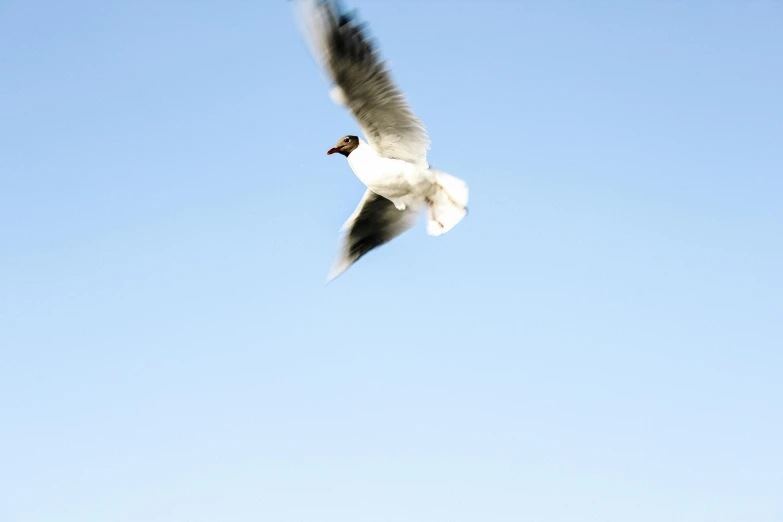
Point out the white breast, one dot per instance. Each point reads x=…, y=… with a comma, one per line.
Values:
x=389, y=178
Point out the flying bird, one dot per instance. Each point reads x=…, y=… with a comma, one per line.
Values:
x=392, y=162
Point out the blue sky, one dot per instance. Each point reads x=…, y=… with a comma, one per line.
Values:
x=599, y=340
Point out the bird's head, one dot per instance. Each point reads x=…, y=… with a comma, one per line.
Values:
x=345, y=145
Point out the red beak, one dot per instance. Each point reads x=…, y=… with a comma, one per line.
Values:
x=332, y=151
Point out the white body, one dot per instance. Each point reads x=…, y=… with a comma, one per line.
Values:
x=403, y=183
x=409, y=185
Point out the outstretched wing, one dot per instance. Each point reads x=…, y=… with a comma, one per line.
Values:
x=362, y=81
x=374, y=222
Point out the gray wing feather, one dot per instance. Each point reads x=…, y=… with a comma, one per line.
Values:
x=375, y=221
x=363, y=81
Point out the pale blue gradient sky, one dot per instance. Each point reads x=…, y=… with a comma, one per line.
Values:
x=600, y=340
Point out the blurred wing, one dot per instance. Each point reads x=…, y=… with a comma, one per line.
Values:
x=374, y=222
x=362, y=81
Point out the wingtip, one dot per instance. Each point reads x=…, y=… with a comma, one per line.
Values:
x=336, y=271
x=331, y=277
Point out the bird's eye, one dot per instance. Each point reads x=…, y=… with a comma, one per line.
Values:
x=346, y=140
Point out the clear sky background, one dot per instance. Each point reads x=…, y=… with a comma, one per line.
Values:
x=600, y=340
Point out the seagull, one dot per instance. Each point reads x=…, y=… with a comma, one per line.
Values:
x=392, y=161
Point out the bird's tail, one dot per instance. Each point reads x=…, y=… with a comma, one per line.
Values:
x=448, y=204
